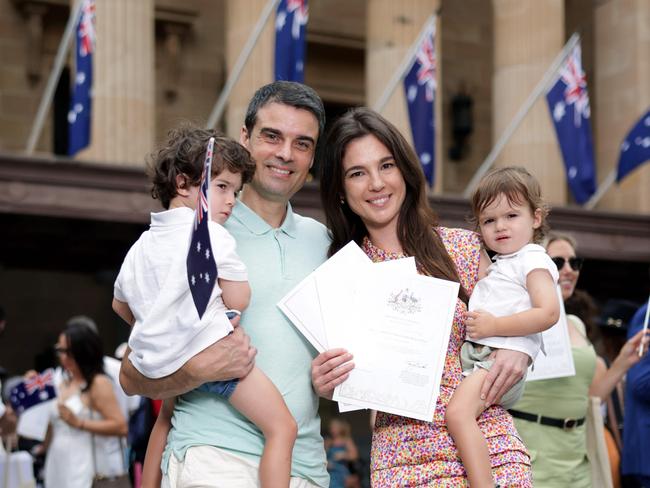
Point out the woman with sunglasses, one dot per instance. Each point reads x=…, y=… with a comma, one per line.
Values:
x=86, y=408
x=550, y=416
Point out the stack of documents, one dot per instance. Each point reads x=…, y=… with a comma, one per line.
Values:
x=394, y=321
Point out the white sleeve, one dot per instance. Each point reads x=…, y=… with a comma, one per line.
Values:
x=229, y=265
x=538, y=260
x=124, y=278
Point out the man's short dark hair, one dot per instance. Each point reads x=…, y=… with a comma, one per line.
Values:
x=288, y=93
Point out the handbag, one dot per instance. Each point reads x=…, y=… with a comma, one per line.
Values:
x=101, y=481
x=601, y=474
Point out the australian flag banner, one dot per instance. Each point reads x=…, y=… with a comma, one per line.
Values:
x=635, y=149
x=80, y=104
x=33, y=391
x=290, y=25
x=201, y=266
x=568, y=102
x=420, y=88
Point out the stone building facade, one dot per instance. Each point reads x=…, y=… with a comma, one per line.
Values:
x=67, y=223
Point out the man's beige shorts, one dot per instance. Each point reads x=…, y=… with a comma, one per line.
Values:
x=210, y=467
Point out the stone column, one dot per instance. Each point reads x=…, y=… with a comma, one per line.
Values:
x=622, y=74
x=527, y=37
x=123, y=83
x=241, y=17
x=391, y=28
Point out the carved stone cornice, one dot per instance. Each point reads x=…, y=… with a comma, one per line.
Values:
x=59, y=187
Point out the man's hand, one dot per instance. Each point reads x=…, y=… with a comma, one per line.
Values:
x=480, y=324
x=508, y=368
x=329, y=369
x=231, y=357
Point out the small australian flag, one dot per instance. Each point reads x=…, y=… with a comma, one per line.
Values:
x=33, y=391
x=201, y=266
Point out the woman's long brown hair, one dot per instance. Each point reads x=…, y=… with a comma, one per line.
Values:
x=416, y=219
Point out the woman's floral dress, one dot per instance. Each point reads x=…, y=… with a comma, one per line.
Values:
x=408, y=452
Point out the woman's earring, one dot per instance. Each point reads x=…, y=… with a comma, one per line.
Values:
x=342, y=201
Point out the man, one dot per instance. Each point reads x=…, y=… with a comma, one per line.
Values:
x=636, y=433
x=209, y=439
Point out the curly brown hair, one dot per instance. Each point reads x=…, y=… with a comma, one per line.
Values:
x=183, y=153
x=519, y=187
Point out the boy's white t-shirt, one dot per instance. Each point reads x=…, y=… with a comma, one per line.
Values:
x=153, y=281
x=503, y=292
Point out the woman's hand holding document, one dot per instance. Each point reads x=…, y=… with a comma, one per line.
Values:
x=394, y=321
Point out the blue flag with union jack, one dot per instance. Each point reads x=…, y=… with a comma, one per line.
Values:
x=290, y=40
x=80, y=104
x=568, y=102
x=201, y=266
x=635, y=149
x=420, y=88
x=33, y=391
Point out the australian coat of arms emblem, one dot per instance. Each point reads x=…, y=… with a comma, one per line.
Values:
x=405, y=302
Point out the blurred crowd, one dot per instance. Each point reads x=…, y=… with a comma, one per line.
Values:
x=595, y=422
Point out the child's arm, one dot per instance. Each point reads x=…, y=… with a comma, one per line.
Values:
x=257, y=398
x=235, y=294
x=151, y=473
x=122, y=309
x=543, y=314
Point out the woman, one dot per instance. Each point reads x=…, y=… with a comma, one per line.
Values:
x=559, y=452
x=373, y=191
x=86, y=408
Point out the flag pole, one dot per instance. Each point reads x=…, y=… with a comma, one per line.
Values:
x=50, y=87
x=601, y=190
x=220, y=105
x=542, y=86
x=645, y=326
x=381, y=102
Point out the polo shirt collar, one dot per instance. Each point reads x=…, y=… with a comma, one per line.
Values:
x=257, y=225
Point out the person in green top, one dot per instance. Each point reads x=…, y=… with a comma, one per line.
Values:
x=551, y=414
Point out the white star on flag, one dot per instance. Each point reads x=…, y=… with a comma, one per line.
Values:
x=280, y=20
x=412, y=93
x=559, y=111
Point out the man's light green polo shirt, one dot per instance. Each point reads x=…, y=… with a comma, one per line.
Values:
x=277, y=260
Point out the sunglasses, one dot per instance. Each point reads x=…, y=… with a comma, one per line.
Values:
x=575, y=263
x=61, y=350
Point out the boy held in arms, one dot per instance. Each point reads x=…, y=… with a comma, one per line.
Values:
x=152, y=294
x=508, y=308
